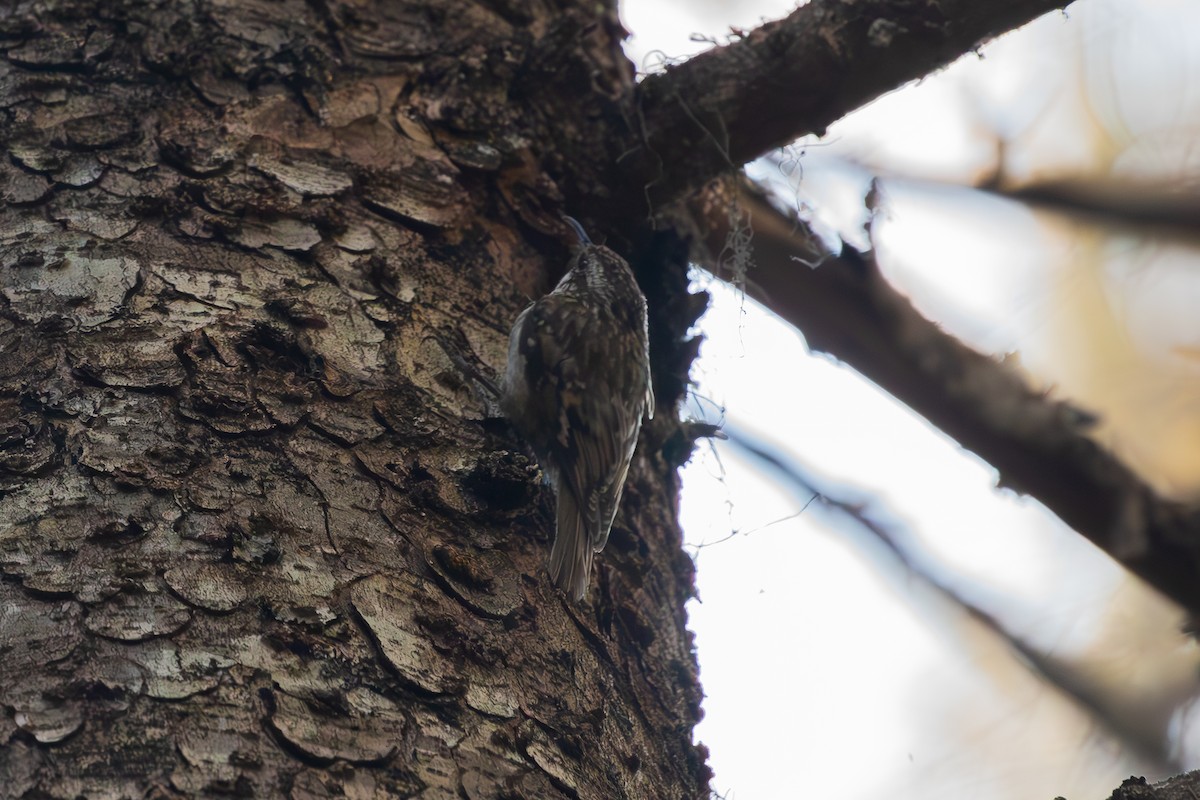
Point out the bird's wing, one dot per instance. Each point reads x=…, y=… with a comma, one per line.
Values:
x=596, y=408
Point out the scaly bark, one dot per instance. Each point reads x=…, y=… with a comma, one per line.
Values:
x=259, y=537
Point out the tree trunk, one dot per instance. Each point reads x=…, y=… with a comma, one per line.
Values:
x=259, y=534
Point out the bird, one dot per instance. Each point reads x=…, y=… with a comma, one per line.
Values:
x=577, y=385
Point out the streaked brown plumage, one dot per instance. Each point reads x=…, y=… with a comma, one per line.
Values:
x=576, y=388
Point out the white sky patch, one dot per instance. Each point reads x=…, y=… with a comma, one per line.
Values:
x=681, y=28
x=825, y=665
x=817, y=657
x=975, y=262
x=777, y=602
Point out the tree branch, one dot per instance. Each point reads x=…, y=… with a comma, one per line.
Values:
x=906, y=559
x=797, y=75
x=1180, y=787
x=1116, y=202
x=1040, y=447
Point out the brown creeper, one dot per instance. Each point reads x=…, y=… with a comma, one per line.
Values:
x=576, y=388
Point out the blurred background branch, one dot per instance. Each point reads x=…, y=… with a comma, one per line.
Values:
x=1141, y=722
x=1039, y=446
x=1022, y=269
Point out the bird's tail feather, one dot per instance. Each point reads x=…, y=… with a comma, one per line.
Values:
x=571, y=556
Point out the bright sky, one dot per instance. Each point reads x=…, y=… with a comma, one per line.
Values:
x=818, y=653
x=825, y=662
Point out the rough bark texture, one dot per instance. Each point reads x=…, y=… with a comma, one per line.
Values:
x=1180, y=787
x=258, y=536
